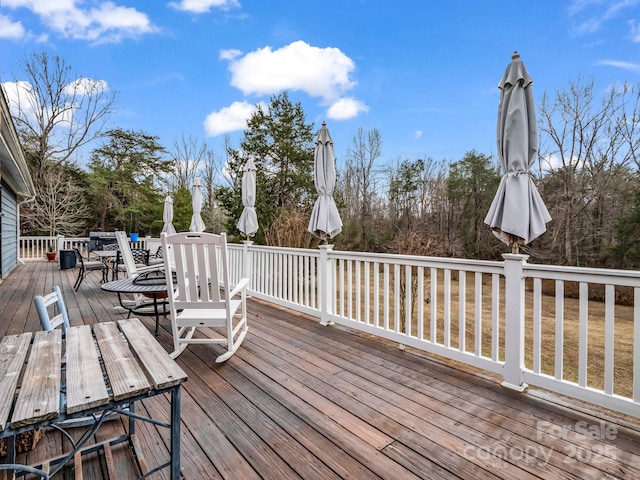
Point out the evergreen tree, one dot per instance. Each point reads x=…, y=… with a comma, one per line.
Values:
x=472, y=184
x=281, y=143
x=627, y=231
x=124, y=182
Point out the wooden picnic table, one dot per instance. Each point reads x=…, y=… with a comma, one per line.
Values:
x=106, y=368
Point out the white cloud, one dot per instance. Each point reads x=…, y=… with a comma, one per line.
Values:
x=22, y=99
x=203, y=6
x=595, y=13
x=323, y=73
x=230, y=54
x=346, y=108
x=10, y=30
x=579, y=5
x=229, y=119
x=635, y=31
x=418, y=134
x=106, y=22
x=320, y=72
x=632, y=67
x=17, y=93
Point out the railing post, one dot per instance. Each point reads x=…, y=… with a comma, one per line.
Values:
x=326, y=288
x=247, y=263
x=514, y=321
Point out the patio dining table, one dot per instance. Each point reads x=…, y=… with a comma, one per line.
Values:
x=108, y=258
x=151, y=284
x=106, y=368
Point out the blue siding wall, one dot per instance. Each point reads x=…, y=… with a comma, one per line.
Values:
x=8, y=230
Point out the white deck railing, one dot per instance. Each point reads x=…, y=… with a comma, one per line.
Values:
x=490, y=315
x=34, y=249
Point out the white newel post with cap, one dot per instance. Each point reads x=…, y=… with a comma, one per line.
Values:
x=326, y=287
x=514, y=321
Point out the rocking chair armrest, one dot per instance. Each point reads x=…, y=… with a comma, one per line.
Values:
x=241, y=286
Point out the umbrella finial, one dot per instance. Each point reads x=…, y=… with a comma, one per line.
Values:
x=515, y=56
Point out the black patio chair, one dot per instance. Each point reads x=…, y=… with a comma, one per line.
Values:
x=85, y=265
x=140, y=255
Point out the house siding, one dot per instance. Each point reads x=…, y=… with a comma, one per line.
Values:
x=8, y=230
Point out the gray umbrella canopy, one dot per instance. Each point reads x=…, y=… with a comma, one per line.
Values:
x=517, y=213
x=197, y=224
x=248, y=222
x=325, y=220
x=167, y=216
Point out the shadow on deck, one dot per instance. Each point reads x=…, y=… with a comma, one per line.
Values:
x=300, y=400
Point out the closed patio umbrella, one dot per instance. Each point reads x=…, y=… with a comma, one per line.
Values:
x=325, y=220
x=517, y=213
x=197, y=224
x=167, y=216
x=248, y=222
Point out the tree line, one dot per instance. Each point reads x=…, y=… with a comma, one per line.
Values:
x=587, y=177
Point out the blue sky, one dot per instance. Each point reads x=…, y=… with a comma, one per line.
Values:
x=424, y=73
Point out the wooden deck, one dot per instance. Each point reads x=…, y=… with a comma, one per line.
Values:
x=300, y=400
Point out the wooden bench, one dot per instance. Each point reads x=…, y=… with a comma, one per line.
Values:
x=106, y=369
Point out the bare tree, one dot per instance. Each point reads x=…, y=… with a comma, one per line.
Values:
x=56, y=112
x=213, y=214
x=360, y=180
x=188, y=155
x=60, y=208
x=585, y=149
x=630, y=122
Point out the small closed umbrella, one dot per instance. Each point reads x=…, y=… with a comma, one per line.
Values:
x=325, y=220
x=197, y=224
x=167, y=216
x=248, y=222
x=517, y=213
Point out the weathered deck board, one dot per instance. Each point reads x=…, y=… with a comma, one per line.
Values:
x=299, y=400
x=39, y=399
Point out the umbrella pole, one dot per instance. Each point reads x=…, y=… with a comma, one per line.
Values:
x=515, y=247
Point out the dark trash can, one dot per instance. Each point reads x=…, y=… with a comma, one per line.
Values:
x=67, y=259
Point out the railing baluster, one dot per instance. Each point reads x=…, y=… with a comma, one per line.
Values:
x=477, y=348
x=376, y=294
x=495, y=317
x=420, y=302
x=358, y=291
x=447, y=308
x=367, y=293
x=537, y=325
x=583, y=333
x=408, y=299
x=609, y=331
x=342, y=264
x=433, y=321
x=386, y=297
x=558, y=368
x=462, y=310
x=396, y=298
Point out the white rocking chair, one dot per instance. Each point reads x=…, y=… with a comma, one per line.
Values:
x=200, y=295
x=133, y=269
